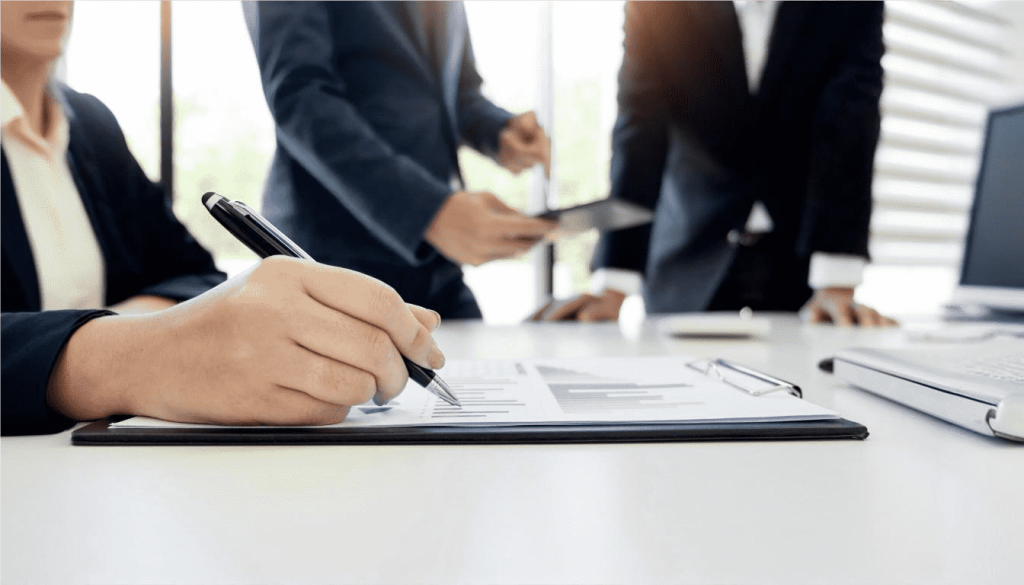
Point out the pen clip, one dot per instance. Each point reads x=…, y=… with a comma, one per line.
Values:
x=252, y=216
x=731, y=373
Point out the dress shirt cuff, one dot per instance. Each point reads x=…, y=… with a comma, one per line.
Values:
x=625, y=281
x=836, y=270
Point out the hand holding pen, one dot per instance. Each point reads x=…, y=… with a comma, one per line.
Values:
x=263, y=238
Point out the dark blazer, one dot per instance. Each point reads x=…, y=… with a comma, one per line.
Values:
x=371, y=101
x=691, y=142
x=145, y=251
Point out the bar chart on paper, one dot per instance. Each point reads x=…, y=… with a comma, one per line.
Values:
x=573, y=391
x=579, y=392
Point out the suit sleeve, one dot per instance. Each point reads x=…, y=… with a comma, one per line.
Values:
x=480, y=120
x=639, y=144
x=844, y=136
x=32, y=343
x=321, y=129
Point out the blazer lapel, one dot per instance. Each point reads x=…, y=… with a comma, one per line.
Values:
x=15, y=242
x=726, y=40
x=786, y=32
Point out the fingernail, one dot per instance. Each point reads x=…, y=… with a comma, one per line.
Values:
x=436, y=358
x=438, y=315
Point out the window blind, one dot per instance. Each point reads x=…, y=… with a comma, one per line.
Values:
x=944, y=68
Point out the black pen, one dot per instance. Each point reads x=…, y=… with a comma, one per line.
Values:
x=266, y=240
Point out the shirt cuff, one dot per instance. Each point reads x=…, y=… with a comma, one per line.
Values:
x=836, y=270
x=624, y=281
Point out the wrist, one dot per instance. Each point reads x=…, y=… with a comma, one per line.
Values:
x=88, y=380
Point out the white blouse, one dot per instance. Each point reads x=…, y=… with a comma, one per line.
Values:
x=68, y=259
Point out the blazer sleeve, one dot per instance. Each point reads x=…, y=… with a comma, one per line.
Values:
x=639, y=143
x=32, y=342
x=844, y=135
x=480, y=120
x=323, y=132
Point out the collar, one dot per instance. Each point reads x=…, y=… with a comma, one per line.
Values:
x=15, y=125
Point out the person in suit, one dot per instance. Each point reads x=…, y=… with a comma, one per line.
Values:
x=751, y=131
x=94, y=266
x=371, y=102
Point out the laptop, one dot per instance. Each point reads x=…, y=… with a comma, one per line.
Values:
x=991, y=282
x=978, y=385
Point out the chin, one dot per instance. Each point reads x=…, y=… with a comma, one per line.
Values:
x=47, y=49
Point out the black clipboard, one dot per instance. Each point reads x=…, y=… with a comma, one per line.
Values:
x=735, y=375
x=100, y=433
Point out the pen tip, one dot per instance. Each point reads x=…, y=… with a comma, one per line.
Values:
x=446, y=393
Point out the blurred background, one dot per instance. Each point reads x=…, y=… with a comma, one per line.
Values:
x=946, y=63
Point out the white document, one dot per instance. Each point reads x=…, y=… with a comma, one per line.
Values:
x=571, y=391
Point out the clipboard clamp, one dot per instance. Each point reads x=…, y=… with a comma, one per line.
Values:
x=743, y=378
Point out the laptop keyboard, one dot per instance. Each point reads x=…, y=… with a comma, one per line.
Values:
x=1007, y=367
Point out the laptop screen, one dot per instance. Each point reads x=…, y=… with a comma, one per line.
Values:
x=994, y=252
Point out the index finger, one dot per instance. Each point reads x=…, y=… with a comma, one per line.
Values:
x=372, y=302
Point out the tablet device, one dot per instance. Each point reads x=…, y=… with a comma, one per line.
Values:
x=604, y=214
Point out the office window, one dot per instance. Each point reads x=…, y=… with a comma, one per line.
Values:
x=113, y=52
x=223, y=131
x=529, y=53
x=945, y=64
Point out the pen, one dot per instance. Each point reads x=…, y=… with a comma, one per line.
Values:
x=266, y=240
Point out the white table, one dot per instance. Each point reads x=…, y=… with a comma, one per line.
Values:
x=920, y=501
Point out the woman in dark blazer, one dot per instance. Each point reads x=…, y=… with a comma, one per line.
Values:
x=289, y=342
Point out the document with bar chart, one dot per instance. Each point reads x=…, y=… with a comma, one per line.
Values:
x=624, y=399
x=572, y=391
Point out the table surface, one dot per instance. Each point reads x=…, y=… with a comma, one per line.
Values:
x=919, y=501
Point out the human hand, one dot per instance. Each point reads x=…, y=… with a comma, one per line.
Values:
x=286, y=342
x=836, y=305
x=603, y=307
x=473, y=228
x=523, y=143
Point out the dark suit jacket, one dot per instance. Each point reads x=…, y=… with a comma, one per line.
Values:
x=145, y=251
x=371, y=102
x=691, y=142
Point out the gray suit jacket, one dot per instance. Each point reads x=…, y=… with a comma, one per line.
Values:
x=371, y=101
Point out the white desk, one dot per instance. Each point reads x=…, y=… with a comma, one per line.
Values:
x=920, y=501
